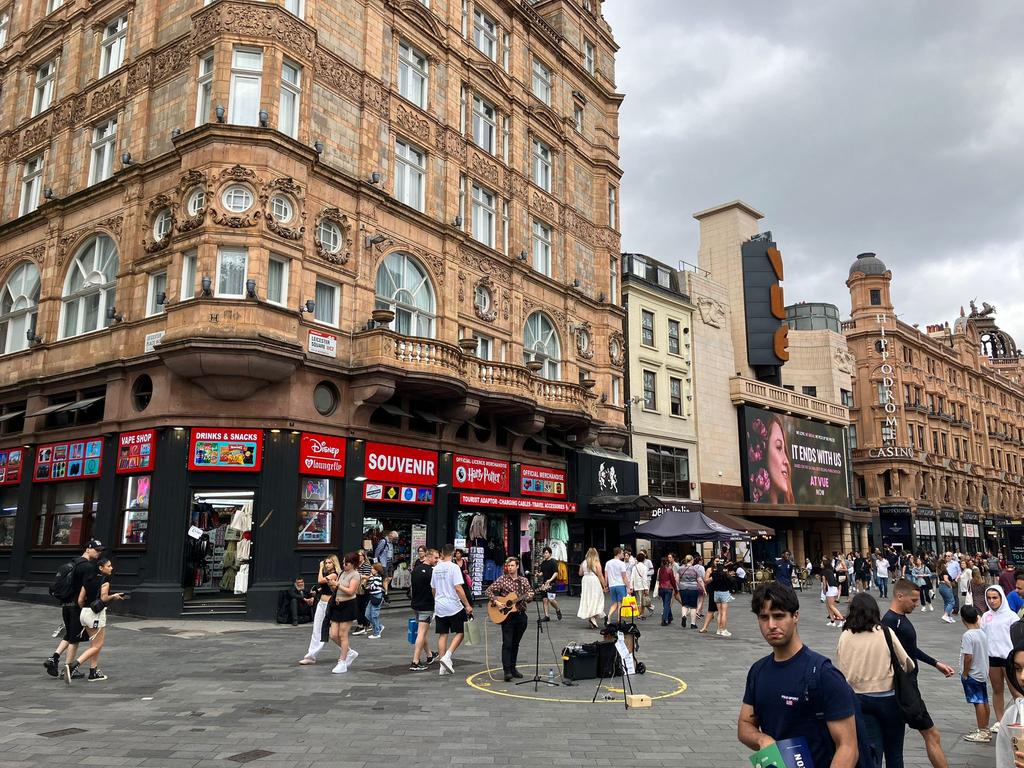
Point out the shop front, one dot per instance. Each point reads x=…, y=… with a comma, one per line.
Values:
x=992, y=532
x=970, y=529
x=949, y=531
x=895, y=524
x=926, y=531
x=607, y=485
x=11, y=462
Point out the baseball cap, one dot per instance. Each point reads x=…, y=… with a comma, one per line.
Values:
x=95, y=544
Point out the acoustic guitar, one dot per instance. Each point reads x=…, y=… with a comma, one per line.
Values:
x=505, y=607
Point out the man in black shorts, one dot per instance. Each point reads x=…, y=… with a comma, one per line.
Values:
x=421, y=599
x=548, y=574
x=84, y=568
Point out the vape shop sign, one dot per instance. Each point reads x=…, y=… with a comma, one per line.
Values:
x=135, y=452
x=322, y=455
x=226, y=450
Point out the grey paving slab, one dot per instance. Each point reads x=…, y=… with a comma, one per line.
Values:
x=193, y=693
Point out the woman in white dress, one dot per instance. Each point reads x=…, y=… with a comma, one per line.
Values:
x=593, y=589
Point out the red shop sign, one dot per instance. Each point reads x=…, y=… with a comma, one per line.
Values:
x=322, y=455
x=542, y=481
x=400, y=464
x=136, y=452
x=10, y=466
x=480, y=473
x=226, y=450
x=69, y=461
x=511, y=502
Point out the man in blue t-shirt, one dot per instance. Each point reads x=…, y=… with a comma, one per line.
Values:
x=1015, y=599
x=784, y=570
x=794, y=692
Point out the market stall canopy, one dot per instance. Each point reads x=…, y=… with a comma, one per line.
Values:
x=735, y=522
x=687, y=526
x=628, y=503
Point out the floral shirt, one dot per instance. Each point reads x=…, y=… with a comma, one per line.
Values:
x=508, y=584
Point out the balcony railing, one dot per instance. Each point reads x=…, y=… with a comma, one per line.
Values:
x=743, y=390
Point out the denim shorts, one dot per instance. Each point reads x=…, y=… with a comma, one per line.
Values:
x=976, y=692
x=723, y=597
x=618, y=593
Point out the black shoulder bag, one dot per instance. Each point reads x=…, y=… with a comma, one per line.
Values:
x=908, y=695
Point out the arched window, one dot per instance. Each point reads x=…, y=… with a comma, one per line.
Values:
x=403, y=286
x=19, y=300
x=89, y=287
x=540, y=342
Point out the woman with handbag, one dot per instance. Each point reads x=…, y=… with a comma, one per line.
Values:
x=691, y=590
x=864, y=658
x=92, y=599
x=326, y=583
x=344, y=610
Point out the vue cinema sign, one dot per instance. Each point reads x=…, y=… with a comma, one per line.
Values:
x=763, y=303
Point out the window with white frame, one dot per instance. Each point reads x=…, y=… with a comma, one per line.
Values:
x=650, y=379
x=328, y=302
x=101, y=158
x=53, y=5
x=675, y=396
x=232, y=271
x=328, y=234
x=237, y=198
x=404, y=287
x=157, y=293
x=484, y=125
x=485, y=34
x=412, y=75
x=541, y=81
x=277, y=280
x=282, y=209
x=616, y=390
x=541, y=165
x=577, y=118
x=45, y=82
x=246, y=86
x=673, y=337
x=204, y=99
x=542, y=247
x=19, y=302
x=296, y=7
x=589, y=56
x=483, y=215
x=5, y=26
x=484, y=346
x=112, y=45
x=613, y=280
x=410, y=167
x=31, y=182
x=196, y=201
x=647, y=328
x=540, y=342
x=188, y=274
x=613, y=207
x=163, y=222
x=291, y=96
x=89, y=288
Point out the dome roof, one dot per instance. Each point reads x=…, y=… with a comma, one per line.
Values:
x=869, y=264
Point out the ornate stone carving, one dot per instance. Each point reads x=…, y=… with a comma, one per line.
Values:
x=37, y=133
x=338, y=75
x=375, y=96
x=345, y=252
x=139, y=75
x=247, y=20
x=543, y=206
x=186, y=184
x=287, y=186
x=490, y=313
x=451, y=143
x=485, y=169
x=712, y=312
x=237, y=173
x=577, y=226
x=484, y=264
x=105, y=97
x=617, y=349
x=584, y=340
x=462, y=286
x=112, y=225
x=529, y=305
x=412, y=123
x=36, y=253
x=844, y=361
x=158, y=203
x=171, y=60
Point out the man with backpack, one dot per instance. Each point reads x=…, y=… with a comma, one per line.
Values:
x=65, y=588
x=795, y=693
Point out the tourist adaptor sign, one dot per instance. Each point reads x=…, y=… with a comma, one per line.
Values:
x=515, y=504
x=542, y=481
x=226, y=450
x=400, y=464
x=791, y=460
x=480, y=473
x=322, y=455
x=136, y=452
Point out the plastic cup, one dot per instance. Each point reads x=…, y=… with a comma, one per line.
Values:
x=1016, y=734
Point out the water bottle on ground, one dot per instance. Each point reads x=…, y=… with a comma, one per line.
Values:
x=551, y=674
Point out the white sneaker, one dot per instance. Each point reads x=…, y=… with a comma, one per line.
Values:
x=979, y=737
x=830, y=623
x=725, y=633
x=931, y=607
x=339, y=668
x=443, y=670
x=352, y=656
x=447, y=667
x=373, y=637
x=994, y=728
x=718, y=632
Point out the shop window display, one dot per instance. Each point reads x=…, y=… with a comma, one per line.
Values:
x=316, y=510
x=220, y=545
x=8, y=516
x=66, y=512
x=135, y=515
x=411, y=534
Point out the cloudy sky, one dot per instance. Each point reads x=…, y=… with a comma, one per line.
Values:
x=860, y=126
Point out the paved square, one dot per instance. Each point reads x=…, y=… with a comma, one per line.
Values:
x=202, y=693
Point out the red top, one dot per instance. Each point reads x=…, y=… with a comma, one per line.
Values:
x=666, y=579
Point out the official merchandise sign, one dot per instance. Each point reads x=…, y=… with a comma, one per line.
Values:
x=398, y=494
x=400, y=464
x=511, y=502
x=226, y=450
x=322, y=455
x=542, y=481
x=321, y=343
x=77, y=460
x=480, y=474
x=136, y=452
x=11, y=462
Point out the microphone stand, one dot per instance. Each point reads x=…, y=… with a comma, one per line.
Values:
x=537, y=679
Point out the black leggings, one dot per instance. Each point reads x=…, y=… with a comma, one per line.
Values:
x=512, y=630
x=361, y=602
x=926, y=592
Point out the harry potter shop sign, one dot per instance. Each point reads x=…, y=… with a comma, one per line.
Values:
x=480, y=474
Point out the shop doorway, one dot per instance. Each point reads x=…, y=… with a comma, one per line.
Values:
x=412, y=533
x=218, y=547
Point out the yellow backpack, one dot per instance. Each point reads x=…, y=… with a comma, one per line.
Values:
x=628, y=609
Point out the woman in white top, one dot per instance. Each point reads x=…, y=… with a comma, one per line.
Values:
x=640, y=578
x=593, y=588
x=1014, y=665
x=963, y=583
x=996, y=624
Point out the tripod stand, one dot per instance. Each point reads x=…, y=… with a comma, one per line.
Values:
x=537, y=679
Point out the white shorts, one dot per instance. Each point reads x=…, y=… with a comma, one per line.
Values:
x=551, y=595
x=92, y=620
x=832, y=592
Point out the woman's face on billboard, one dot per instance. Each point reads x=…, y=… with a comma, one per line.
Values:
x=778, y=461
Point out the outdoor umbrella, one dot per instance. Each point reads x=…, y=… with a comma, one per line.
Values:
x=687, y=526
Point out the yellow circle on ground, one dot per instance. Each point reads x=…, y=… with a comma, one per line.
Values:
x=485, y=687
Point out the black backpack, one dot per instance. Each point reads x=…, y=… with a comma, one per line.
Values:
x=63, y=587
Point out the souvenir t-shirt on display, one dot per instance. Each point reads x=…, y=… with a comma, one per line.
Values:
x=447, y=575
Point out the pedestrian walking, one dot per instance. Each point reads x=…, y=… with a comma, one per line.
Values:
x=376, y=589
x=784, y=569
x=904, y=600
x=996, y=624
x=384, y=552
x=421, y=600
x=824, y=718
x=460, y=559
x=666, y=590
x=592, y=589
x=863, y=656
x=946, y=588
x=920, y=575
x=719, y=585
x=640, y=581
x=978, y=585
x=830, y=587
x=365, y=569
x=514, y=625
x=974, y=669
x=548, y=575
x=882, y=576
x=326, y=584
x=92, y=602
x=691, y=585
x=992, y=561
x=616, y=574
x=66, y=588
x=1014, y=715
x=344, y=611
x=451, y=608
x=862, y=572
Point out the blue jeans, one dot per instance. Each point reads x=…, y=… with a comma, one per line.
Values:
x=666, y=604
x=886, y=728
x=882, y=582
x=373, y=616
x=948, y=601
